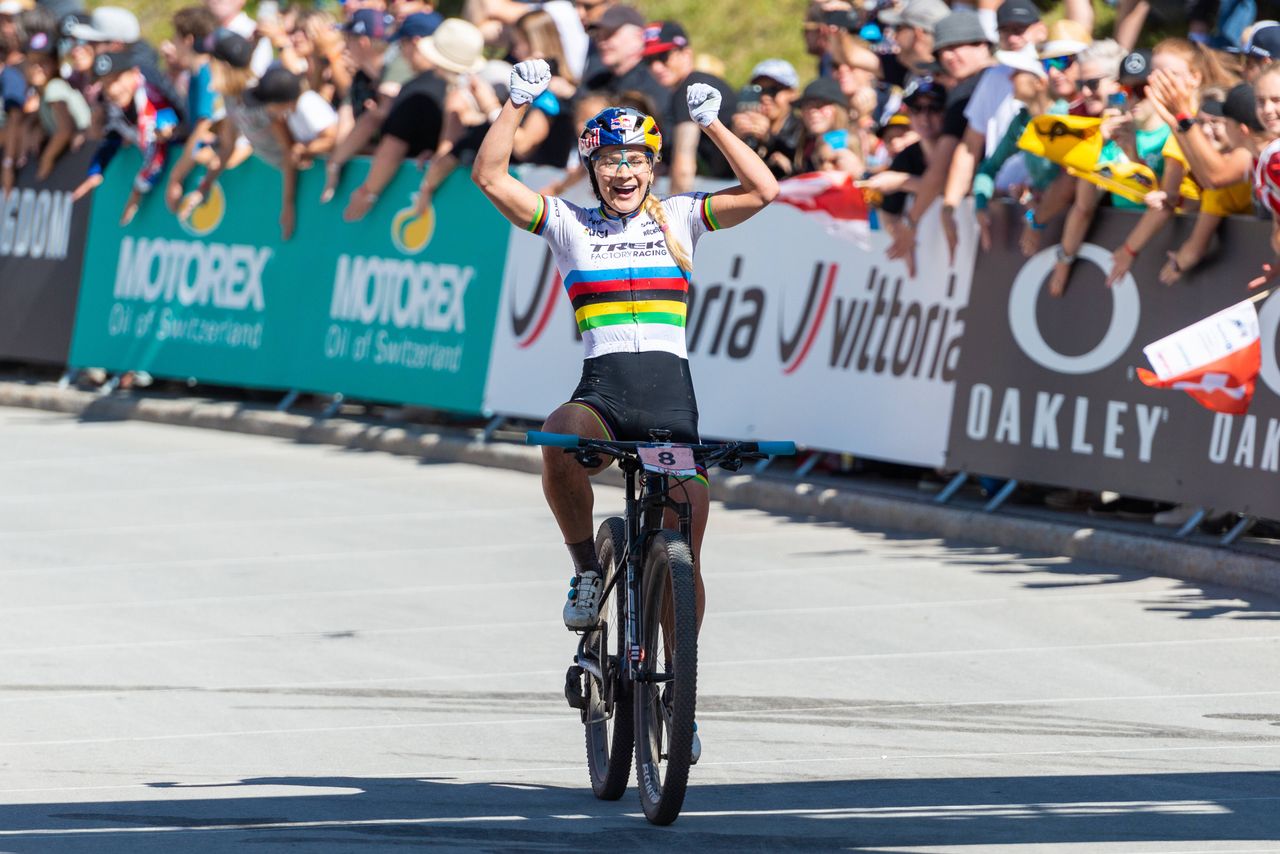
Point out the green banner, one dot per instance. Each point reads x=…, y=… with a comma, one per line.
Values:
x=395, y=307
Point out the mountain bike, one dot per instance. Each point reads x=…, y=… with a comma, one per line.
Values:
x=634, y=677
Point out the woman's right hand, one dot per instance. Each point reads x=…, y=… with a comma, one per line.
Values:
x=529, y=79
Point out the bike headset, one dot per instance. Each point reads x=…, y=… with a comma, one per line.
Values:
x=618, y=126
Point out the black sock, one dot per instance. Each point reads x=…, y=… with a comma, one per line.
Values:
x=584, y=556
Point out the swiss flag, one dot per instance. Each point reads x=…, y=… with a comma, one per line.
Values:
x=833, y=199
x=1215, y=360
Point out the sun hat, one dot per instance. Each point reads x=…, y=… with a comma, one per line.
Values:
x=1066, y=38
x=1022, y=60
x=456, y=46
x=108, y=24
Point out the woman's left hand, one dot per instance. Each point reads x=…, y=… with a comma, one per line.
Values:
x=704, y=103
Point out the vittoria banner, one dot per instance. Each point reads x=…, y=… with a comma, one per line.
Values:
x=1047, y=389
x=792, y=333
x=42, y=241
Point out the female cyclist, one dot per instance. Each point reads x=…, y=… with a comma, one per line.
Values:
x=626, y=266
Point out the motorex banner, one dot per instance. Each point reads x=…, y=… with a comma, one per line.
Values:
x=395, y=307
x=792, y=333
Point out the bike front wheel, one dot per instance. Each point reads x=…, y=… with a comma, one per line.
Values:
x=608, y=716
x=664, y=710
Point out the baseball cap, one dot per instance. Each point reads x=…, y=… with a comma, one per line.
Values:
x=1017, y=13
x=824, y=89
x=1135, y=68
x=1066, y=38
x=924, y=14
x=278, y=85
x=1264, y=41
x=417, y=25
x=664, y=36
x=108, y=24
x=924, y=89
x=371, y=23
x=777, y=70
x=897, y=120
x=11, y=7
x=232, y=48
x=1240, y=106
x=616, y=17
x=105, y=64
x=960, y=27
x=1022, y=60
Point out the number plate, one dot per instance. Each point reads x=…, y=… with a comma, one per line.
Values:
x=668, y=459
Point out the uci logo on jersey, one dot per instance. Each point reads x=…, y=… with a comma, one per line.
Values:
x=206, y=218
x=410, y=232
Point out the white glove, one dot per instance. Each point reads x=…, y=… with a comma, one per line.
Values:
x=704, y=103
x=529, y=79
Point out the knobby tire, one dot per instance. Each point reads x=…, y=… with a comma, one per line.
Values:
x=664, y=747
x=610, y=740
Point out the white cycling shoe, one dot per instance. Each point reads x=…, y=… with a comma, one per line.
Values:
x=582, y=611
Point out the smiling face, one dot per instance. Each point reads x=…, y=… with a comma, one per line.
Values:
x=1266, y=94
x=818, y=117
x=623, y=175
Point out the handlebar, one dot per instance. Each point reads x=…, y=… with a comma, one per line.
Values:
x=571, y=442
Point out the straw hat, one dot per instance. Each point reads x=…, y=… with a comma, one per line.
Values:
x=456, y=46
x=1066, y=38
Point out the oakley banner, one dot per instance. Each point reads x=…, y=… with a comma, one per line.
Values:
x=1046, y=389
x=793, y=334
x=42, y=240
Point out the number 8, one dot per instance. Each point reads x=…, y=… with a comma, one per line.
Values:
x=667, y=458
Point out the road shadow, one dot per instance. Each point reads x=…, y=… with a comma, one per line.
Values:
x=358, y=813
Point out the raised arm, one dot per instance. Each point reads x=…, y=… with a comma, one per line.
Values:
x=491, y=170
x=756, y=185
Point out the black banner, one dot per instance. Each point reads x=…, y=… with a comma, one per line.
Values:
x=1046, y=389
x=42, y=240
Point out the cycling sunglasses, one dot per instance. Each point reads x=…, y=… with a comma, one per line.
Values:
x=1057, y=63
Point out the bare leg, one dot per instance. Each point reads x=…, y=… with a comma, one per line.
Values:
x=565, y=483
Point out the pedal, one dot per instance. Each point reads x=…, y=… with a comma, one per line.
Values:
x=573, y=688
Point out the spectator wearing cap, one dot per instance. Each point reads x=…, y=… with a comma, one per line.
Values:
x=13, y=99
x=426, y=110
x=620, y=36
x=1018, y=24
x=1059, y=56
x=1260, y=48
x=231, y=16
x=924, y=102
x=193, y=33
x=823, y=108
x=1215, y=166
x=764, y=118
x=9, y=12
x=64, y=114
x=897, y=134
x=364, y=108
x=111, y=29
x=397, y=68
x=962, y=49
x=137, y=113
x=912, y=25
x=687, y=150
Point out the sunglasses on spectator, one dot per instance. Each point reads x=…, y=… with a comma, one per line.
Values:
x=1093, y=84
x=657, y=57
x=1057, y=63
x=933, y=108
x=771, y=90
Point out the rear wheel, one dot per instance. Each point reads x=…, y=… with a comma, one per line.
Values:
x=664, y=710
x=608, y=716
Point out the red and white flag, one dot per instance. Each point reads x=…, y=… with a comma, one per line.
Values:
x=1215, y=360
x=834, y=200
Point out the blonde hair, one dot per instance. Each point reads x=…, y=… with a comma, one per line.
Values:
x=654, y=208
x=1211, y=68
x=539, y=29
x=228, y=80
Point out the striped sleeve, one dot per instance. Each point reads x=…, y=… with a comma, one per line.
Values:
x=539, y=222
x=708, y=215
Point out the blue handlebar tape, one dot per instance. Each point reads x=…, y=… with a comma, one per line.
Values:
x=555, y=440
x=777, y=449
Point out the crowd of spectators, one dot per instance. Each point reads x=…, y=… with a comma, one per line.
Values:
x=923, y=102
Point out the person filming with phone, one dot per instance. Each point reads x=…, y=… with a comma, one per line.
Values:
x=765, y=119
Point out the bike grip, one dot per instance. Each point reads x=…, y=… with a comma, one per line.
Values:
x=555, y=440
x=777, y=449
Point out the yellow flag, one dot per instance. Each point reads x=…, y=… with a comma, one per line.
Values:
x=1123, y=177
x=1072, y=141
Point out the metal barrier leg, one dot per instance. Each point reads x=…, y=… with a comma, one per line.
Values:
x=1001, y=497
x=1194, y=522
x=334, y=407
x=948, y=492
x=492, y=427
x=68, y=377
x=287, y=401
x=809, y=465
x=1241, y=528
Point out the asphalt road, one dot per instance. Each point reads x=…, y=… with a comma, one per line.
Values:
x=210, y=641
